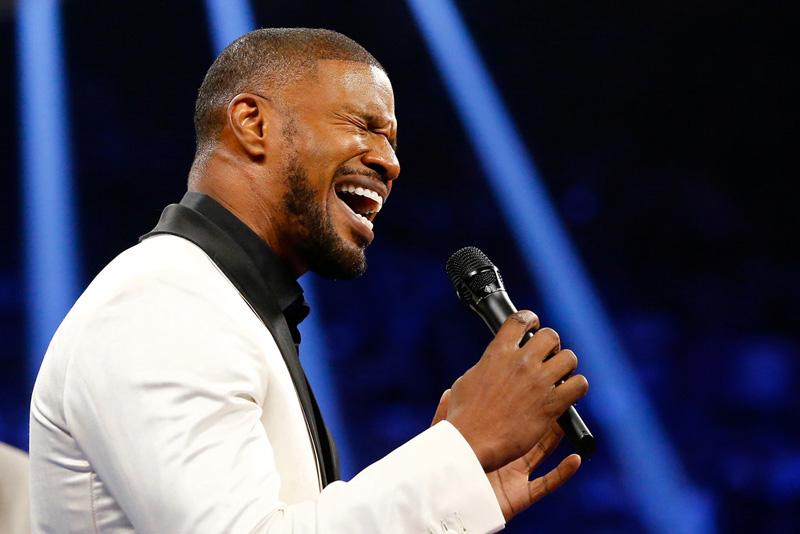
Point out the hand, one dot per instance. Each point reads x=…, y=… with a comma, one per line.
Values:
x=511, y=484
x=504, y=405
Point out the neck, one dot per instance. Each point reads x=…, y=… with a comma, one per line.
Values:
x=248, y=196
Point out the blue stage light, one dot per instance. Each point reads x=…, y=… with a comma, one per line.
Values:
x=663, y=495
x=49, y=223
x=228, y=20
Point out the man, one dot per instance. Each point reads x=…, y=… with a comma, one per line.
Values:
x=171, y=398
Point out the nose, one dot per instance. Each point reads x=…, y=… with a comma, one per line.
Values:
x=382, y=159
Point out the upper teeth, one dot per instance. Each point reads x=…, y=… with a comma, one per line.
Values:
x=358, y=190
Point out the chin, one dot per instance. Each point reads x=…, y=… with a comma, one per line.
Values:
x=341, y=268
x=337, y=258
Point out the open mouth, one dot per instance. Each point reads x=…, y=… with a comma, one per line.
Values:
x=363, y=202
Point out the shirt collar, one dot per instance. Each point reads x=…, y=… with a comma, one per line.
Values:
x=287, y=291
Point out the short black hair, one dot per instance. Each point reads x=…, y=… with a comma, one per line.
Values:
x=263, y=61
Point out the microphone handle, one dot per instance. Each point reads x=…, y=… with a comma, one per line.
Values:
x=494, y=309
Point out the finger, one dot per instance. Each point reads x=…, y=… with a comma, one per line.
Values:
x=543, y=344
x=562, y=364
x=544, y=448
x=571, y=390
x=514, y=327
x=441, y=410
x=564, y=395
x=553, y=480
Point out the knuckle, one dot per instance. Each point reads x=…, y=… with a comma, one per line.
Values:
x=571, y=357
x=524, y=317
x=456, y=384
x=531, y=318
x=550, y=335
x=583, y=384
x=520, y=365
x=578, y=386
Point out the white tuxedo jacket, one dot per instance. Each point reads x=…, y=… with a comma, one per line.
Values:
x=164, y=406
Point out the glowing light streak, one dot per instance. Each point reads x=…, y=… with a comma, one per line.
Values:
x=49, y=223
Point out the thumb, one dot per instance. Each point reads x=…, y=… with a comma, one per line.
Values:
x=441, y=410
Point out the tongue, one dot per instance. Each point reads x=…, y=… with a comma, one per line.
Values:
x=358, y=203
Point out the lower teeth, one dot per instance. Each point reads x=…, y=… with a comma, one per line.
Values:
x=366, y=221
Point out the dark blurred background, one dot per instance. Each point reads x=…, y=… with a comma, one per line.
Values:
x=666, y=133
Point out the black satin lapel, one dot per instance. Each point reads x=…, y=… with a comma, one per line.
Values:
x=233, y=261
x=328, y=444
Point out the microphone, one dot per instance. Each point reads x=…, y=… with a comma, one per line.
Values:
x=479, y=284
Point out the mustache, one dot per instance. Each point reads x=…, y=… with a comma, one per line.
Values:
x=347, y=169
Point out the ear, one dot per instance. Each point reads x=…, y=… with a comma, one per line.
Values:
x=247, y=118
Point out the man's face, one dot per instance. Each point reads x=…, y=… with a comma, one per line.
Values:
x=339, y=164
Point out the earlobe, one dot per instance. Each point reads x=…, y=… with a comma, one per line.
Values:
x=247, y=116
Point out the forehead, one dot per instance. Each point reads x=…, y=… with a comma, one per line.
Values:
x=346, y=86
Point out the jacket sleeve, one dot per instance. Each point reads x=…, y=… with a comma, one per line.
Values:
x=163, y=393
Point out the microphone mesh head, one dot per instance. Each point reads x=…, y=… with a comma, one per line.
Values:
x=469, y=260
x=473, y=274
x=465, y=261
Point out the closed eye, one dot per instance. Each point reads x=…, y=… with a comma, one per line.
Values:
x=368, y=122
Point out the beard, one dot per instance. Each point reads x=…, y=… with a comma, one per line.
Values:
x=317, y=242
